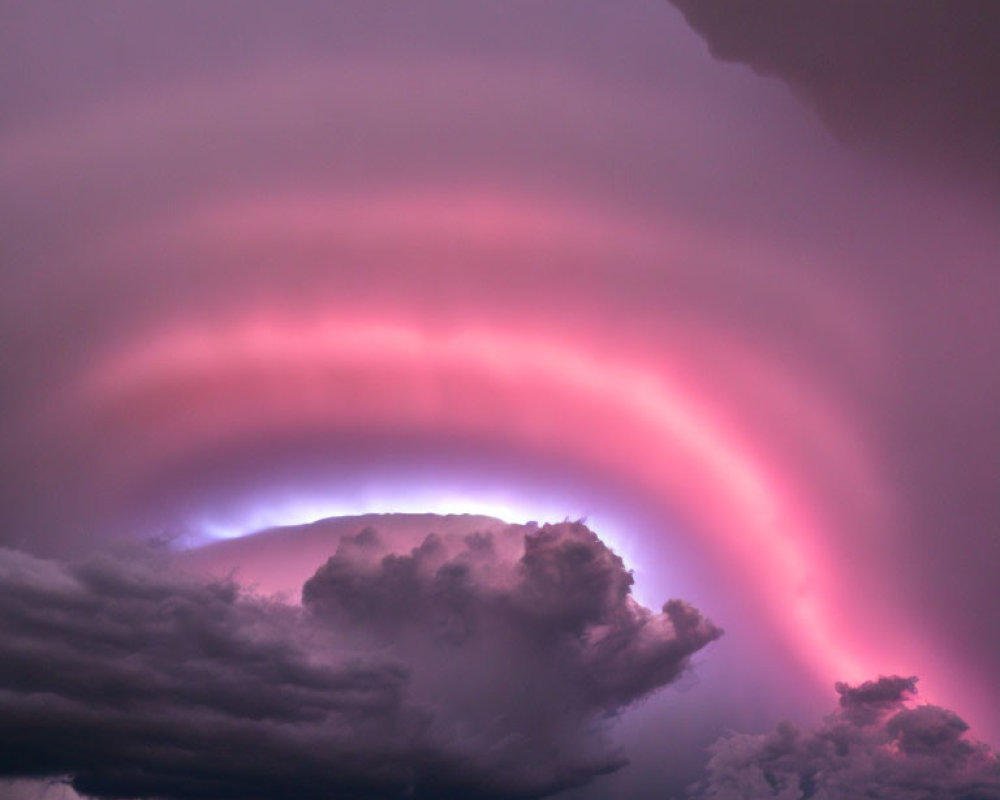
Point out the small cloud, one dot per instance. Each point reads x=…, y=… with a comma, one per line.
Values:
x=873, y=746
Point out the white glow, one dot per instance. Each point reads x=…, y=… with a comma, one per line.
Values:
x=302, y=509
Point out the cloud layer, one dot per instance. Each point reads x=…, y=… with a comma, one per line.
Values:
x=874, y=746
x=480, y=666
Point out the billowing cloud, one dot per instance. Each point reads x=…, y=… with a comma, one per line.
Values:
x=874, y=746
x=486, y=665
x=894, y=74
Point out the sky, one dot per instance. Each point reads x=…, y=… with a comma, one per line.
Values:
x=719, y=281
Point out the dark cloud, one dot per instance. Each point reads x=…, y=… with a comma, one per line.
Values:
x=484, y=666
x=874, y=746
x=910, y=75
x=866, y=702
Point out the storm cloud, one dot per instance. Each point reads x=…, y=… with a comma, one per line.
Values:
x=895, y=75
x=488, y=665
x=874, y=746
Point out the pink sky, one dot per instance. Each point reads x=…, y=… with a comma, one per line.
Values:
x=549, y=261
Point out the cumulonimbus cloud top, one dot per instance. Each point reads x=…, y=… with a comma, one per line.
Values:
x=371, y=253
x=486, y=385
x=621, y=416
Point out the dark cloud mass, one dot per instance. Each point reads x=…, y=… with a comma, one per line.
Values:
x=865, y=703
x=911, y=75
x=875, y=746
x=478, y=666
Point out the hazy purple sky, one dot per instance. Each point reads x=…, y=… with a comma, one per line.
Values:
x=730, y=291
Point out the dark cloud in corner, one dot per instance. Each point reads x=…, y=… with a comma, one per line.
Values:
x=483, y=666
x=917, y=77
x=874, y=746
